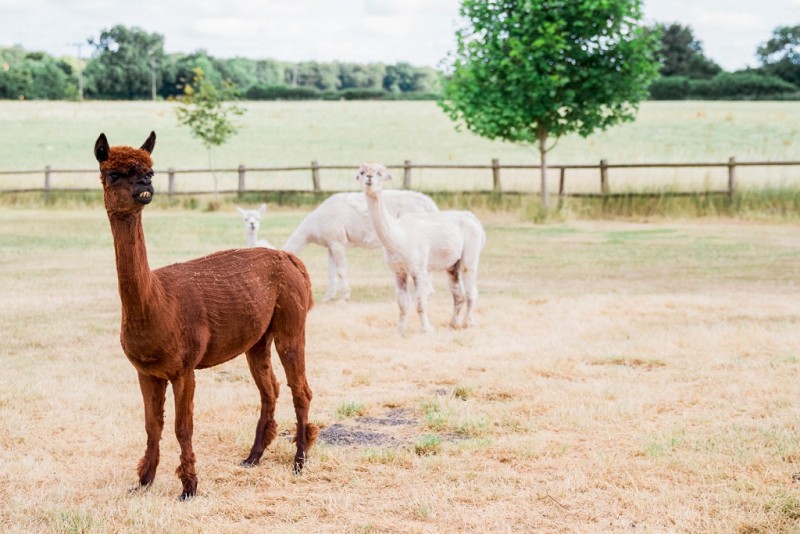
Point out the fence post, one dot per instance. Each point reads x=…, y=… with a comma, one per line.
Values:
x=241, y=179
x=604, y=176
x=407, y=174
x=315, y=175
x=561, y=182
x=170, y=182
x=497, y=187
x=47, y=182
x=731, y=177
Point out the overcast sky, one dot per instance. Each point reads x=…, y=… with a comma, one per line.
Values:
x=360, y=31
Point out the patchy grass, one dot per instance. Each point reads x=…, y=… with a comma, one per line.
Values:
x=350, y=409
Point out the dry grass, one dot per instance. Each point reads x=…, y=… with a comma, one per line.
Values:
x=623, y=377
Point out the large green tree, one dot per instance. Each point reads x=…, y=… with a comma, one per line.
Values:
x=682, y=55
x=121, y=65
x=780, y=56
x=530, y=71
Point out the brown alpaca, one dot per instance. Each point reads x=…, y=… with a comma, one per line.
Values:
x=199, y=314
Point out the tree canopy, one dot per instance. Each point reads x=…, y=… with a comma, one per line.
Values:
x=682, y=55
x=780, y=55
x=121, y=65
x=529, y=70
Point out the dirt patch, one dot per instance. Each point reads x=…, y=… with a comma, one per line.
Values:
x=394, y=428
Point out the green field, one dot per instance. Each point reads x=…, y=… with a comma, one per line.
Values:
x=61, y=134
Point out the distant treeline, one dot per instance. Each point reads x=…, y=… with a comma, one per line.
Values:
x=130, y=64
x=686, y=73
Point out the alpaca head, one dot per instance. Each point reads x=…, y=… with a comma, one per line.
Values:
x=372, y=174
x=252, y=218
x=126, y=174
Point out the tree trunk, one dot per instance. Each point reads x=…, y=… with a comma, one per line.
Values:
x=213, y=172
x=543, y=160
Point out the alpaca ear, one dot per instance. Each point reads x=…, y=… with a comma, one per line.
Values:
x=388, y=176
x=150, y=144
x=101, y=148
x=262, y=208
x=241, y=212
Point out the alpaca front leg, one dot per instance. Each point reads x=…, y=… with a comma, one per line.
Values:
x=421, y=284
x=258, y=359
x=154, y=392
x=401, y=289
x=340, y=259
x=333, y=277
x=183, y=389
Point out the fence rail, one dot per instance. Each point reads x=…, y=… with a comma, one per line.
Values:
x=315, y=171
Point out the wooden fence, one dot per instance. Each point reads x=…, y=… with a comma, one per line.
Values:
x=314, y=169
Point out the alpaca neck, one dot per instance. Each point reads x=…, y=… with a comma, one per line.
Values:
x=386, y=227
x=252, y=237
x=298, y=240
x=136, y=281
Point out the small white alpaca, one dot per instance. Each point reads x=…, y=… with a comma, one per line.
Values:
x=417, y=243
x=343, y=220
x=252, y=221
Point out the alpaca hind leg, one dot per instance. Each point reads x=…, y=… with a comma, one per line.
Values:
x=470, y=276
x=401, y=289
x=288, y=325
x=421, y=283
x=183, y=389
x=258, y=359
x=154, y=391
x=455, y=277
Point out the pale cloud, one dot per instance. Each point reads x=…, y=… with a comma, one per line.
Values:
x=418, y=31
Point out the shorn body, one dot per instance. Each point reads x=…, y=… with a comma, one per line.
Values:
x=202, y=313
x=342, y=220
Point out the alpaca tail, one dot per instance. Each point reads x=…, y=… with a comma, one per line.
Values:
x=298, y=263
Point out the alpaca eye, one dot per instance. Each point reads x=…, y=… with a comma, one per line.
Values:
x=114, y=176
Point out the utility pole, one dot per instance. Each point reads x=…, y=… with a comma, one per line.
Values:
x=80, y=70
x=153, y=67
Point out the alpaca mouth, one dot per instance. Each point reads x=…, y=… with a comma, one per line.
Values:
x=144, y=197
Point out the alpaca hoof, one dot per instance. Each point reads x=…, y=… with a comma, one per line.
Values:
x=186, y=496
x=139, y=488
x=299, y=463
x=248, y=463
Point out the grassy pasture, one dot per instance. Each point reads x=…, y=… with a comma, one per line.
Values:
x=33, y=134
x=623, y=376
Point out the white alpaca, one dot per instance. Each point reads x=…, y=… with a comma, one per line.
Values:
x=417, y=243
x=343, y=220
x=252, y=221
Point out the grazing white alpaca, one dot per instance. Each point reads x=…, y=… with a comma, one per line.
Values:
x=417, y=243
x=252, y=221
x=343, y=220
